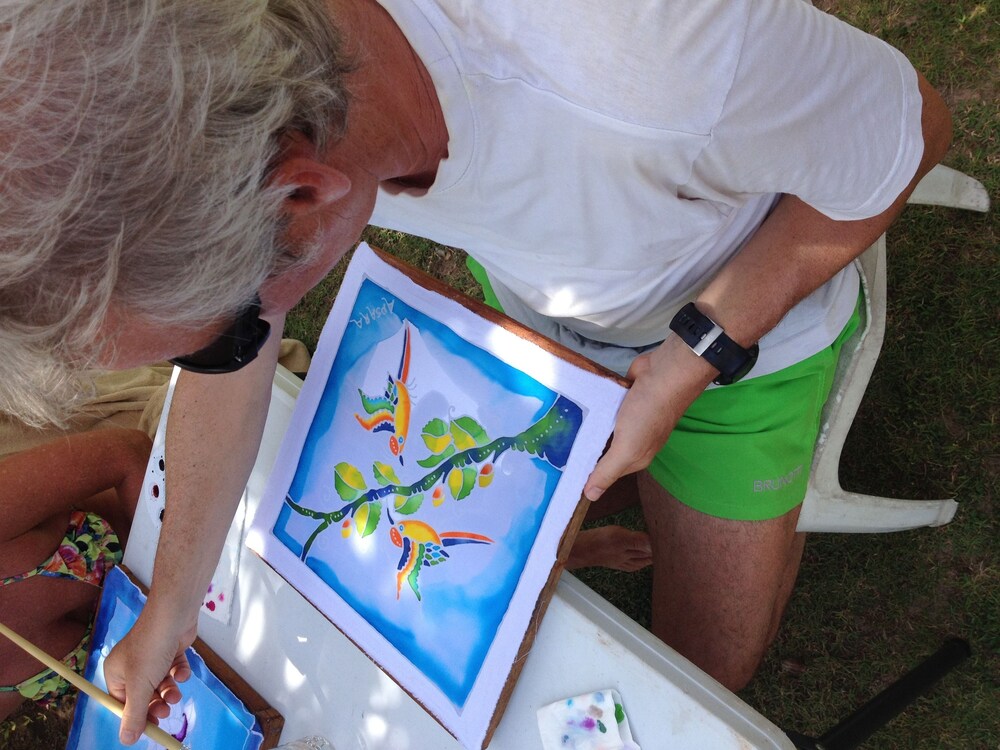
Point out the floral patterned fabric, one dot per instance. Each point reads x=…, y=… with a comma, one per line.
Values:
x=47, y=687
x=89, y=548
x=87, y=551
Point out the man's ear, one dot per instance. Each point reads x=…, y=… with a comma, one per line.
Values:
x=314, y=185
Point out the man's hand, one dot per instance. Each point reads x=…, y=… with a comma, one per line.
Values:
x=665, y=382
x=135, y=669
x=794, y=252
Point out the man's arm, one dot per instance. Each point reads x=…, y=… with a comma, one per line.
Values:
x=794, y=252
x=213, y=434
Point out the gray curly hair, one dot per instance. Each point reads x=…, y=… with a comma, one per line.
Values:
x=135, y=142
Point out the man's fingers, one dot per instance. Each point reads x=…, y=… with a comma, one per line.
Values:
x=603, y=475
x=180, y=670
x=136, y=711
x=614, y=464
x=157, y=709
x=168, y=691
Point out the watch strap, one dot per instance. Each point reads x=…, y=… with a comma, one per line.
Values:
x=708, y=340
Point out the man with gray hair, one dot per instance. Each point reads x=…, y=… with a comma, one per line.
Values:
x=634, y=180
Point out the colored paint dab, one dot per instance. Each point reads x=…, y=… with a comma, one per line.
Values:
x=486, y=475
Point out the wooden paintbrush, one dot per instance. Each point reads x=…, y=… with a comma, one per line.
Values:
x=85, y=686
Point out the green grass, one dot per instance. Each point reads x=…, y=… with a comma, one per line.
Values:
x=867, y=607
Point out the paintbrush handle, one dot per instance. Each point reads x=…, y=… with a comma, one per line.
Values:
x=85, y=686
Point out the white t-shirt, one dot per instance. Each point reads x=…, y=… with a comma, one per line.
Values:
x=607, y=159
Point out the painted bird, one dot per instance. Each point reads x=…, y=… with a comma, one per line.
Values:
x=424, y=547
x=391, y=412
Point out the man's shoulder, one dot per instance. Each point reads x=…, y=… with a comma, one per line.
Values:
x=666, y=64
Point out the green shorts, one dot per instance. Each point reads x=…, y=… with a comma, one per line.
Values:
x=744, y=451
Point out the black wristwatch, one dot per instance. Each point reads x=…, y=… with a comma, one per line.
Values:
x=707, y=339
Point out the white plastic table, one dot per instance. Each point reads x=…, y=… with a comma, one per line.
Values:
x=322, y=684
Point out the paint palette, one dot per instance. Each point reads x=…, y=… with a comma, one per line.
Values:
x=592, y=721
x=153, y=489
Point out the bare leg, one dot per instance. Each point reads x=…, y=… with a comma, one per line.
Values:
x=719, y=586
x=619, y=496
x=53, y=613
x=612, y=547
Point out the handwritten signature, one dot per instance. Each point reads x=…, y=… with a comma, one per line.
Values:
x=373, y=312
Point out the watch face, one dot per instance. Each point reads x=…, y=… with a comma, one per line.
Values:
x=708, y=340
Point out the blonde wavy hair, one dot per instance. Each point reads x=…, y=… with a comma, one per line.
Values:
x=135, y=142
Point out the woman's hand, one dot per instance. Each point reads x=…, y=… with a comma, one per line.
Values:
x=143, y=670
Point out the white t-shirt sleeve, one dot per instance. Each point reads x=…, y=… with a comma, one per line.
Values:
x=817, y=109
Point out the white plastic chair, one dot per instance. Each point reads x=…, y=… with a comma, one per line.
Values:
x=827, y=506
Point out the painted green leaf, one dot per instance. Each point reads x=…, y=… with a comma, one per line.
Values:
x=348, y=481
x=384, y=474
x=361, y=518
x=473, y=429
x=469, y=475
x=407, y=505
x=436, y=436
x=367, y=517
x=461, y=482
x=466, y=432
x=433, y=460
x=454, y=482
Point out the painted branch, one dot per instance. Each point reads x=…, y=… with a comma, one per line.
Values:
x=548, y=438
